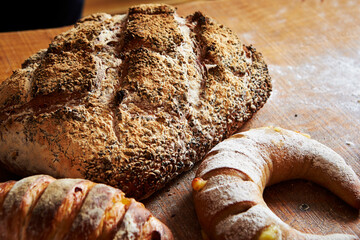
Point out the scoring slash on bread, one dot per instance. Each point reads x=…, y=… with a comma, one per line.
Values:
x=129, y=100
x=230, y=182
x=41, y=207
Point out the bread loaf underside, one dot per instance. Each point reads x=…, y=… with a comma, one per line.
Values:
x=41, y=207
x=129, y=100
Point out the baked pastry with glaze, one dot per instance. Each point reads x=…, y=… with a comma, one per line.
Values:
x=230, y=181
x=41, y=207
x=129, y=100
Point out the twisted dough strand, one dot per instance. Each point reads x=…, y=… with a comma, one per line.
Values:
x=41, y=207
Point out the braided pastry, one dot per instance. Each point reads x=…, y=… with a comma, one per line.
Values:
x=41, y=207
x=230, y=181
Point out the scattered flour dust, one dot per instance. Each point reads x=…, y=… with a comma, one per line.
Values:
x=335, y=75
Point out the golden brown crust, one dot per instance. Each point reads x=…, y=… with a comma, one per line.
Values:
x=153, y=27
x=40, y=207
x=18, y=203
x=129, y=100
x=53, y=75
x=4, y=190
x=153, y=230
x=100, y=214
x=230, y=181
x=151, y=9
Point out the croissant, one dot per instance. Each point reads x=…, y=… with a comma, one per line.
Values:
x=230, y=181
x=41, y=207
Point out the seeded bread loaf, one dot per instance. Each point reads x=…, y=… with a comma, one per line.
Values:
x=41, y=207
x=129, y=100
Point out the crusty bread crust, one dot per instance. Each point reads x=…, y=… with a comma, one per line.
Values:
x=41, y=207
x=129, y=100
x=233, y=175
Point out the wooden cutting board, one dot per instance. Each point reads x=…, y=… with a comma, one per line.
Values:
x=312, y=49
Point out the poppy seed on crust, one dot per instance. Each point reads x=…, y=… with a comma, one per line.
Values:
x=143, y=109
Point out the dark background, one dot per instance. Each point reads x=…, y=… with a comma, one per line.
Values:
x=27, y=15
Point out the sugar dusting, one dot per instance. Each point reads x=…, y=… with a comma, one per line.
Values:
x=186, y=49
x=309, y=158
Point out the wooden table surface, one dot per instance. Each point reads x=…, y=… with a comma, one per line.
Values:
x=312, y=48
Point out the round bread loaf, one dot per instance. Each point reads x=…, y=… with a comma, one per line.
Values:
x=230, y=182
x=129, y=100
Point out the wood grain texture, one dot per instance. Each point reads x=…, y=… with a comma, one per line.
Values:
x=313, y=52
